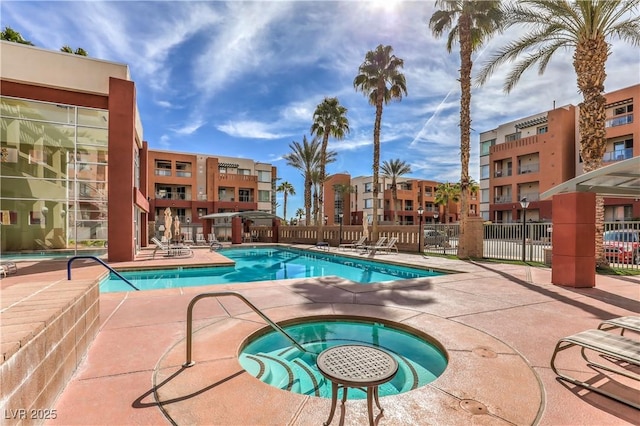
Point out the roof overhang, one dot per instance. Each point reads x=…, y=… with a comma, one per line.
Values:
x=245, y=215
x=621, y=179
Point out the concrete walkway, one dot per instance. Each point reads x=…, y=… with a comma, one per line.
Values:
x=499, y=324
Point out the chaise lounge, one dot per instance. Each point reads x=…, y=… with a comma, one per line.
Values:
x=609, y=346
x=176, y=251
x=353, y=244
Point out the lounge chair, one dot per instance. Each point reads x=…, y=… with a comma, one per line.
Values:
x=214, y=244
x=200, y=240
x=7, y=267
x=353, y=244
x=390, y=245
x=171, y=251
x=622, y=323
x=611, y=347
x=374, y=247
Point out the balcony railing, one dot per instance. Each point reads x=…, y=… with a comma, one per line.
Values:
x=502, y=199
x=617, y=155
x=502, y=173
x=529, y=168
x=619, y=121
x=530, y=196
x=163, y=172
x=182, y=173
x=172, y=196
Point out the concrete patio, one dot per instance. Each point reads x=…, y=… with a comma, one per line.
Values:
x=498, y=322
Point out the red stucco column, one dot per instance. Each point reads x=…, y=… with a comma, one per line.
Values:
x=236, y=230
x=574, y=233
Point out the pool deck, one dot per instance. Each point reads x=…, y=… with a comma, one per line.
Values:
x=498, y=322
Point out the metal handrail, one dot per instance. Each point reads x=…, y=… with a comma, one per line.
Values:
x=103, y=264
x=189, y=362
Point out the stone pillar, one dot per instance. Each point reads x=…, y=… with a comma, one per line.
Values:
x=473, y=239
x=236, y=230
x=573, y=240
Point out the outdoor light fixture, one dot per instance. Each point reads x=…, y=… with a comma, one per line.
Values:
x=420, y=211
x=45, y=210
x=435, y=217
x=524, y=204
x=326, y=219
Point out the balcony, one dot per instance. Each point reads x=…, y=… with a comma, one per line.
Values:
x=617, y=155
x=163, y=172
x=619, y=121
x=530, y=196
x=529, y=168
x=182, y=173
x=228, y=178
x=503, y=199
x=172, y=196
x=502, y=173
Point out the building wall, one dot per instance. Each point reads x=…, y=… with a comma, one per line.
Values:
x=90, y=105
x=207, y=189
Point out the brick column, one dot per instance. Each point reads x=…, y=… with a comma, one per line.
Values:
x=236, y=230
x=574, y=233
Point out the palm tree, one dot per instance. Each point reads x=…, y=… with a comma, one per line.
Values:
x=379, y=78
x=446, y=193
x=315, y=180
x=471, y=23
x=9, y=34
x=329, y=119
x=584, y=27
x=287, y=189
x=79, y=51
x=393, y=169
x=299, y=214
x=306, y=158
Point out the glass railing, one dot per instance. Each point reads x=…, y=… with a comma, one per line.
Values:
x=617, y=155
x=163, y=172
x=619, y=121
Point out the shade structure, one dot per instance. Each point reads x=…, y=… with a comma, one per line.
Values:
x=167, y=223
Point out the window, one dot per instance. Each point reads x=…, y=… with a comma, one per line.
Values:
x=484, y=172
x=484, y=195
x=368, y=203
x=245, y=195
x=163, y=168
x=542, y=129
x=264, y=176
x=512, y=137
x=368, y=187
x=264, y=196
x=183, y=169
x=623, y=109
x=8, y=217
x=485, y=146
x=222, y=169
x=245, y=172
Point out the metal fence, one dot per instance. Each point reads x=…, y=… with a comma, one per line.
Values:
x=510, y=241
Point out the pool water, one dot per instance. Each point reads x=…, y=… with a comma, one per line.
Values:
x=272, y=358
x=264, y=264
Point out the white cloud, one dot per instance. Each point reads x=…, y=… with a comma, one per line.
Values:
x=249, y=129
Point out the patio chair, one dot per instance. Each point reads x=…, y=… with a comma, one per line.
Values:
x=7, y=267
x=390, y=245
x=170, y=251
x=374, y=247
x=623, y=323
x=612, y=347
x=214, y=244
x=200, y=240
x=353, y=244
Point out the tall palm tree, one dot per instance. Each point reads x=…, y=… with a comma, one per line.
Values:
x=315, y=180
x=445, y=193
x=471, y=23
x=393, y=169
x=380, y=80
x=287, y=189
x=584, y=27
x=299, y=214
x=305, y=157
x=9, y=34
x=329, y=119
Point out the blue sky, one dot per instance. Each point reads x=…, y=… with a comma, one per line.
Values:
x=242, y=79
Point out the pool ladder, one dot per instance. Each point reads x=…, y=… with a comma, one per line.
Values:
x=116, y=273
x=189, y=362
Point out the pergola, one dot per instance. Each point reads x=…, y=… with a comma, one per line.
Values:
x=237, y=218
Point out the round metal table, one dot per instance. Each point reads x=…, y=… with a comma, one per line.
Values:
x=356, y=366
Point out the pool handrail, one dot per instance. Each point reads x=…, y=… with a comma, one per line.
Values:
x=117, y=274
x=189, y=362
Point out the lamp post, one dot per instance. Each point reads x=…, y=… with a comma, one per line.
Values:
x=420, y=211
x=340, y=216
x=189, y=229
x=524, y=204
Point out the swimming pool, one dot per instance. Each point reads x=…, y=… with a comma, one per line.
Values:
x=272, y=359
x=265, y=264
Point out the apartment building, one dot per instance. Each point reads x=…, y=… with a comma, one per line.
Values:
x=525, y=157
x=62, y=191
x=194, y=185
x=411, y=195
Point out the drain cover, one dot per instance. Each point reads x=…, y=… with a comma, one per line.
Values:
x=473, y=407
x=484, y=352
